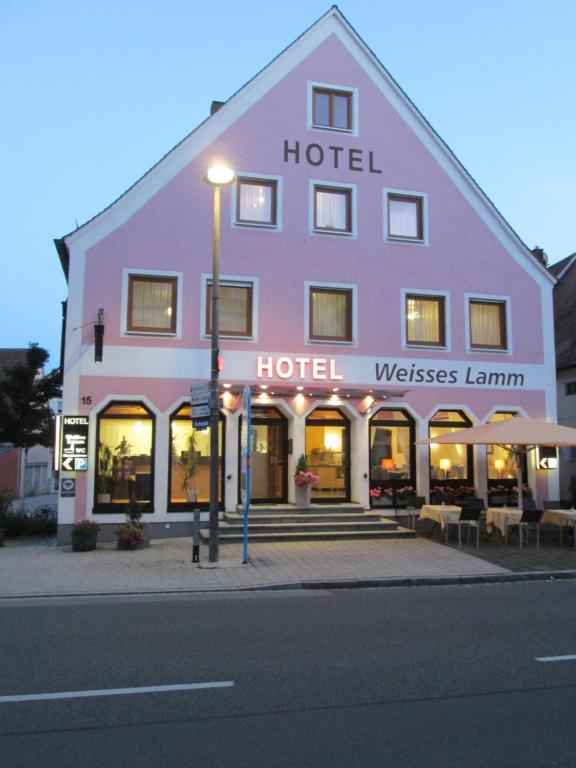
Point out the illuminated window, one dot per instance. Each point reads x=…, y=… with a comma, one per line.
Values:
x=332, y=109
x=425, y=320
x=256, y=202
x=190, y=462
x=449, y=462
x=487, y=324
x=124, y=463
x=152, y=302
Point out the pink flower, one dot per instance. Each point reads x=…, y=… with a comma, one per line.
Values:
x=375, y=492
x=306, y=478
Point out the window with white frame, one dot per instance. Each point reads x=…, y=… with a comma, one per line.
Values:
x=152, y=304
x=425, y=320
x=330, y=313
x=405, y=216
x=332, y=209
x=257, y=201
x=235, y=310
x=332, y=108
x=487, y=324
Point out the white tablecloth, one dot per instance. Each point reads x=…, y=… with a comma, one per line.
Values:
x=440, y=513
x=559, y=516
x=502, y=518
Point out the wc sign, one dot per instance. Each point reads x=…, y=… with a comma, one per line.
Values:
x=74, y=456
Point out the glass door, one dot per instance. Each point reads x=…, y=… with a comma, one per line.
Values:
x=269, y=454
x=328, y=454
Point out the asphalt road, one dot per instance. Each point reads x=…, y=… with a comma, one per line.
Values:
x=423, y=677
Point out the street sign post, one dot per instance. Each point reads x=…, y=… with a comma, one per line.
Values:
x=245, y=467
x=199, y=402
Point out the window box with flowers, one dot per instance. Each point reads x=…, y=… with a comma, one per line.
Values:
x=382, y=497
x=442, y=494
x=133, y=534
x=84, y=536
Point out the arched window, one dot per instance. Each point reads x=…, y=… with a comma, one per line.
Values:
x=189, y=462
x=450, y=464
x=124, y=466
x=501, y=464
x=392, y=455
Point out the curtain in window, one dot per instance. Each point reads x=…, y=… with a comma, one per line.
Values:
x=485, y=324
x=330, y=314
x=331, y=210
x=423, y=320
x=404, y=215
x=256, y=203
x=152, y=304
x=235, y=309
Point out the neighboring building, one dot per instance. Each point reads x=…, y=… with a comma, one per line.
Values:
x=372, y=296
x=564, y=328
x=21, y=474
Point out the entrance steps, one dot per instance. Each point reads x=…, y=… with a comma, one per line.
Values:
x=319, y=522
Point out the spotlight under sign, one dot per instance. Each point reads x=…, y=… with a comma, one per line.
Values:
x=546, y=457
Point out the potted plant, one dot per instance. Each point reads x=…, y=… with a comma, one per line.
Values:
x=84, y=535
x=132, y=534
x=304, y=479
x=105, y=474
x=498, y=495
x=5, y=507
x=188, y=462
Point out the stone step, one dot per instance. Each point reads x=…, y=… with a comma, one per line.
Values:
x=331, y=535
x=320, y=509
x=311, y=527
x=301, y=518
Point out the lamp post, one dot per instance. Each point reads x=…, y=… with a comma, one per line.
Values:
x=217, y=176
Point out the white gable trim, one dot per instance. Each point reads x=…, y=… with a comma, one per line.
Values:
x=207, y=132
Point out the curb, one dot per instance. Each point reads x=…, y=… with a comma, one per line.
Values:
x=378, y=583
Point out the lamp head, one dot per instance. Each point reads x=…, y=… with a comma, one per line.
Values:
x=219, y=175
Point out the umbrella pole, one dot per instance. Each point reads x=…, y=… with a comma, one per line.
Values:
x=518, y=456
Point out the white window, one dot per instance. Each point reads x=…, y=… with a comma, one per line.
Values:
x=330, y=312
x=151, y=302
x=237, y=307
x=332, y=108
x=257, y=201
x=333, y=208
x=405, y=216
x=488, y=323
x=426, y=319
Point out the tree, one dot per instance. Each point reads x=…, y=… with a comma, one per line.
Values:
x=26, y=418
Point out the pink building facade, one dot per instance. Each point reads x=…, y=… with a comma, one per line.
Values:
x=371, y=296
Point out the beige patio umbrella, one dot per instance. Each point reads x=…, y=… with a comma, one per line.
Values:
x=517, y=435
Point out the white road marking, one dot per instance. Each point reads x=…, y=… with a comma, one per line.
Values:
x=556, y=658
x=114, y=692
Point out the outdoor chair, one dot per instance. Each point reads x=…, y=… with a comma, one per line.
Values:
x=470, y=517
x=530, y=519
x=473, y=503
x=413, y=506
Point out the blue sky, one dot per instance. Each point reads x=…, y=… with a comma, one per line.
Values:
x=94, y=92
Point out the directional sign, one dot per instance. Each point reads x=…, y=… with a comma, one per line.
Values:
x=199, y=394
x=74, y=456
x=546, y=457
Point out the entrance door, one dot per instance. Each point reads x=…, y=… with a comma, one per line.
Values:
x=328, y=454
x=269, y=454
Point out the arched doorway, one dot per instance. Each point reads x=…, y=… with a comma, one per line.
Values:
x=328, y=454
x=269, y=455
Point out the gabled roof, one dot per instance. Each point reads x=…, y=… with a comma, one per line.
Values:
x=565, y=312
x=331, y=23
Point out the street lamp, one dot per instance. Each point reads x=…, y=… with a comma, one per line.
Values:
x=217, y=176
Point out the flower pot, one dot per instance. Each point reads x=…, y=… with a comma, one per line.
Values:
x=84, y=542
x=103, y=498
x=192, y=496
x=302, y=496
x=382, y=501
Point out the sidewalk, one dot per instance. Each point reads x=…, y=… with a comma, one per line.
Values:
x=40, y=568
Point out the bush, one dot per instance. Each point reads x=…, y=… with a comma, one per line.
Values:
x=41, y=521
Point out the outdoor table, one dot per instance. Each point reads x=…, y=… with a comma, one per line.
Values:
x=502, y=518
x=440, y=513
x=561, y=518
